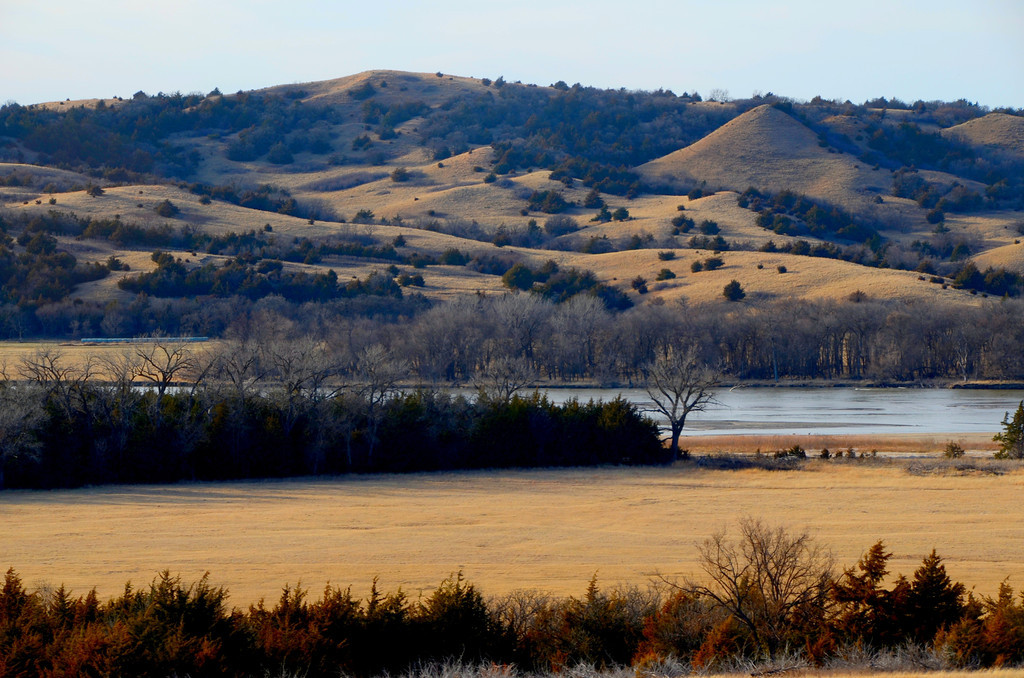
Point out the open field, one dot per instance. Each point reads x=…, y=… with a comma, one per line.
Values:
x=76, y=354
x=538, y=529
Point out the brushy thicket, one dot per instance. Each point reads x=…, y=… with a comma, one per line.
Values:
x=171, y=628
x=61, y=434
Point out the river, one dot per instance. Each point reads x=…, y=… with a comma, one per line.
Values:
x=834, y=411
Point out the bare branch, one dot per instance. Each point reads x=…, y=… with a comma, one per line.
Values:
x=678, y=383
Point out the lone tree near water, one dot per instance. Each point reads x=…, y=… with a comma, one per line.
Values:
x=1011, y=440
x=679, y=383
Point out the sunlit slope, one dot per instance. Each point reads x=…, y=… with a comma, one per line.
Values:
x=770, y=150
x=995, y=129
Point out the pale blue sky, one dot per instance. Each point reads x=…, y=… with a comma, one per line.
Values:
x=915, y=49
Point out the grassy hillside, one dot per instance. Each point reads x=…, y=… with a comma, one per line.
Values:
x=437, y=162
x=999, y=130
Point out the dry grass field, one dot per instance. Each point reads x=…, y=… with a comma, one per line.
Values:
x=75, y=354
x=536, y=529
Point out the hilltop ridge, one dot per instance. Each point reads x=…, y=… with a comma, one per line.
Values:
x=853, y=197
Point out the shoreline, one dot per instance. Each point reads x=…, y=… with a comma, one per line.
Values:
x=889, y=444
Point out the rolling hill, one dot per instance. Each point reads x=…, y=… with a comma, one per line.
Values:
x=432, y=163
x=769, y=149
x=998, y=130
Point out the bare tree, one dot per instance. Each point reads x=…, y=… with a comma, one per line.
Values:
x=502, y=377
x=242, y=364
x=301, y=367
x=301, y=371
x=772, y=582
x=162, y=364
x=64, y=384
x=378, y=375
x=521, y=319
x=679, y=383
x=118, y=399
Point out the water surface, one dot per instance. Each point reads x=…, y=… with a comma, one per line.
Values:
x=833, y=411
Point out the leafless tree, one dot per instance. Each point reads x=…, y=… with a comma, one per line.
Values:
x=577, y=327
x=445, y=341
x=377, y=377
x=242, y=365
x=116, y=400
x=502, y=377
x=519, y=610
x=64, y=383
x=162, y=364
x=679, y=383
x=771, y=581
x=520, y=319
x=302, y=368
x=302, y=376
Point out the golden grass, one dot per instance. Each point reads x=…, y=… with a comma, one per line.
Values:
x=769, y=149
x=888, y=444
x=69, y=104
x=544, y=529
x=808, y=278
x=44, y=175
x=997, y=129
x=75, y=354
x=1010, y=257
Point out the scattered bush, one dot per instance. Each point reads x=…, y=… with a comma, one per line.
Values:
x=733, y=291
x=953, y=450
x=709, y=227
x=166, y=209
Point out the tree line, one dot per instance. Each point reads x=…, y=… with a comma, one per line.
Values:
x=768, y=594
x=859, y=338
x=285, y=409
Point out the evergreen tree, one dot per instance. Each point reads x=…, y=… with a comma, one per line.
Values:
x=1011, y=440
x=934, y=599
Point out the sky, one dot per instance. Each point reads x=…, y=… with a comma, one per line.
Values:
x=912, y=49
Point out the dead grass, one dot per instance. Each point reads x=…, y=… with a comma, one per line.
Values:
x=888, y=444
x=997, y=129
x=670, y=668
x=769, y=149
x=73, y=354
x=542, y=529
